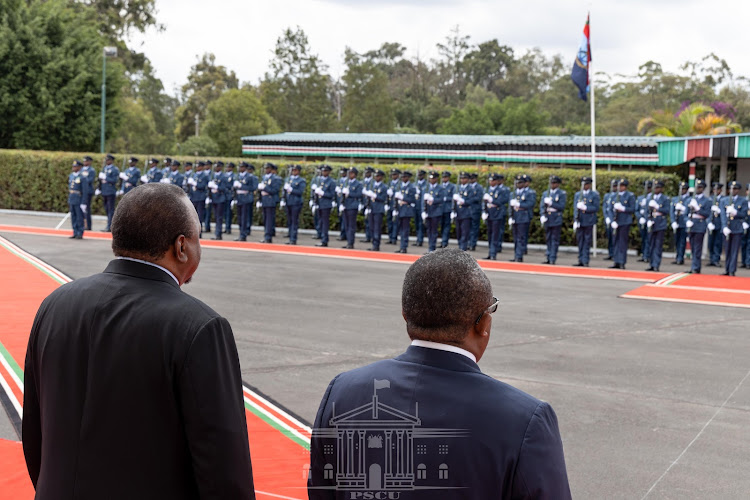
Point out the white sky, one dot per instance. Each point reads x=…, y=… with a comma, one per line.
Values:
x=625, y=33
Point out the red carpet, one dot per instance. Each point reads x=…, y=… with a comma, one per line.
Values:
x=728, y=291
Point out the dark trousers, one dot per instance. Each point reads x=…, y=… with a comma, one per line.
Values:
x=656, y=245
x=228, y=216
x=621, y=238
x=584, y=236
x=109, y=207
x=208, y=217
x=520, y=235
x=432, y=231
x=376, y=225
x=696, y=247
x=445, y=228
x=292, y=221
x=463, y=233
x=389, y=223
x=350, y=218
x=680, y=242
x=610, y=241
x=244, y=218
x=87, y=215
x=474, y=236
x=325, y=221
x=269, y=222
x=393, y=233
x=219, y=209
x=419, y=226
x=745, y=249
x=495, y=236
x=733, y=250
x=342, y=224
x=200, y=209
x=404, y=224
x=77, y=218
x=553, y=242
x=316, y=221
x=368, y=228
x=715, y=245
x=645, y=246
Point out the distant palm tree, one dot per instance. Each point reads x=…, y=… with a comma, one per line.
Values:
x=695, y=119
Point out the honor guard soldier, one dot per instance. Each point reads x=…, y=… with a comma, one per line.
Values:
x=343, y=177
x=189, y=173
x=231, y=202
x=700, y=211
x=314, y=207
x=130, y=176
x=476, y=210
x=522, y=203
x=176, y=178
x=167, y=169
x=623, y=209
x=421, y=185
x=376, y=207
x=295, y=190
x=585, y=214
x=406, y=201
x=78, y=190
x=367, y=181
x=715, y=237
x=449, y=189
x=89, y=176
x=641, y=206
x=551, y=208
x=433, y=198
x=391, y=219
x=745, y=246
x=496, y=207
x=198, y=190
x=245, y=186
x=733, y=224
x=326, y=193
x=269, y=188
x=679, y=217
x=209, y=208
x=462, y=209
x=351, y=200
x=153, y=174
x=608, y=213
x=219, y=189
x=108, y=186
x=659, y=206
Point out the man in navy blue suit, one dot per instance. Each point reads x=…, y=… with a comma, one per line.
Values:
x=429, y=424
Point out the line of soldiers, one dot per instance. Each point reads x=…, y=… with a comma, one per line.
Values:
x=435, y=204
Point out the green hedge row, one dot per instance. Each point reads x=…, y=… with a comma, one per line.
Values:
x=37, y=180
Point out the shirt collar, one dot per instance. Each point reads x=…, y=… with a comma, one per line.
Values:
x=153, y=265
x=443, y=347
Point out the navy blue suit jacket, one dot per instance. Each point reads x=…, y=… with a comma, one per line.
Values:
x=474, y=437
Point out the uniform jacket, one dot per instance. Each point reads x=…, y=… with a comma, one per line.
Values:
x=109, y=183
x=476, y=198
x=177, y=178
x=436, y=208
x=222, y=188
x=590, y=216
x=510, y=446
x=734, y=223
x=448, y=189
x=680, y=219
x=354, y=198
x=124, y=401
x=154, y=174
x=394, y=186
x=607, y=203
x=627, y=199
x=328, y=199
x=422, y=186
x=134, y=175
x=78, y=189
x=500, y=197
x=273, y=184
x=406, y=206
x=298, y=185
x=553, y=212
x=715, y=219
x=246, y=192
x=199, y=192
x=89, y=174
x=700, y=217
x=463, y=211
x=527, y=199
x=659, y=216
x=377, y=205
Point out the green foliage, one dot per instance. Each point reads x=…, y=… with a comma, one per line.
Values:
x=367, y=104
x=201, y=145
x=235, y=114
x=513, y=116
x=138, y=129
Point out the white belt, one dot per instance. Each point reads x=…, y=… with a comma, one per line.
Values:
x=698, y=216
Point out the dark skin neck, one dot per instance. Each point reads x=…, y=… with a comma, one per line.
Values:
x=476, y=339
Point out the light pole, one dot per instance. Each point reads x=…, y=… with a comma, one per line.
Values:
x=107, y=52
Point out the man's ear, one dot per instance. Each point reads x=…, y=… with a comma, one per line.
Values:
x=179, y=249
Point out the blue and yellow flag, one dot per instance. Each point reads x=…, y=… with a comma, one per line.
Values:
x=580, y=73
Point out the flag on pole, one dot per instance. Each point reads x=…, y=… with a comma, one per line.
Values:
x=382, y=384
x=580, y=74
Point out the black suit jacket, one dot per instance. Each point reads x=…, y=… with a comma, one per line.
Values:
x=133, y=390
x=474, y=438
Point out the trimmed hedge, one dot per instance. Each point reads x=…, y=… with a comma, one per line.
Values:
x=37, y=180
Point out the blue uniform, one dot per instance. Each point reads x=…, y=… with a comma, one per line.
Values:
x=154, y=174
x=641, y=204
x=391, y=220
x=736, y=229
x=351, y=199
x=340, y=201
x=248, y=183
x=78, y=194
x=130, y=178
x=367, y=183
x=198, y=192
x=698, y=223
x=377, y=207
x=715, y=238
x=586, y=220
x=476, y=213
x=89, y=176
x=680, y=233
x=608, y=214
x=419, y=224
x=432, y=205
x=497, y=212
x=521, y=214
x=108, y=181
x=177, y=178
x=659, y=205
x=295, y=190
x=553, y=226
x=231, y=177
x=463, y=215
x=405, y=205
x=449, y=189
x=326, y=199
x=219, y=191
x=624, y=219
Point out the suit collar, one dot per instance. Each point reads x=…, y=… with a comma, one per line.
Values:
x=439, y=359
x=139, y=270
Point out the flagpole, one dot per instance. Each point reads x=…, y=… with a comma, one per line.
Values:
x=593, y=129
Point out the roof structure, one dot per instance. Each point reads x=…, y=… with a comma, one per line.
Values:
x=678, y=150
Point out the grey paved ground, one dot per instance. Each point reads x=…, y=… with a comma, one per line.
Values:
x=633, y=382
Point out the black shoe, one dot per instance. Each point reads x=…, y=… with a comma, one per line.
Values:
x=316, y=237
x=580, y=264
x=712, y=264
x=512, y=260
x=389, y=242
x=322, y=245
x=373, y=249
x=641, y=260
x=650, y=269
x=547, y=262
x=368, y=240
x=341, y=239
x=472, y=248
x=229, y=231
x=290, y=243
x=608, y=258
x=215, y=237
x=616, y=266
x=552, y=263
x=79, y=237
x=725, y=274
x=72, y=237
x=443, y=246
x=348, y=247
x=240, y=239
x=401, y=250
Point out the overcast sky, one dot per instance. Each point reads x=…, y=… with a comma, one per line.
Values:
x=625, y=33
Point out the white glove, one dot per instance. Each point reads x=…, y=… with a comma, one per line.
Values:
x=694, y=204
x=675, y=226
x=429, y=197
x=643, y=202
x=576, y=225
x=608, y=221
x=642, y=221
x=234, y=202
x=726, y=231
x=390, y=192
x=515, y=203
x=208, y=201
x=731, y=211
x=236, y=184
x=615, y=225
x=282, y=203
x=424, y=215
x=123, y=176
x=214, y=191
x=461, y=201
x=242, y=191
x=311, y=203
x=745, y=226
x=192, y=182
x=319, y=192
x=338, y=189
x=262, y=186
x=689, y=224
x=211, y=184
x=653, y=204
x=165, y=180
x=84, y=208
x=287, y=185
x=680, y=207
x=649, y=223
x=144, y=179
x=314, y=187
x=581, y=206
x=511, y=221
x=399, y=196
x=102, y=175
x=453, y=215
x=394, y=213
x=715, y=209
x=548, y=201
x=372, y=195
x=314, y=209
x=456, y=197
x=258, y=204
x=485, y=216
x=288, y=188
x=487, y=197
x=711, y=226
x=543, y=219
x=263, y=193
x=418, y=191
x=120, y=192
x=345, y=191
x=341, y=208
x=97, y=192
x=360, y=207
x=619, y=207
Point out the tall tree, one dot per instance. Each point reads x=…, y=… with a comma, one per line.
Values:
x=451, y=66
x=237, y=113
x=488, y=63
x=367, y=103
